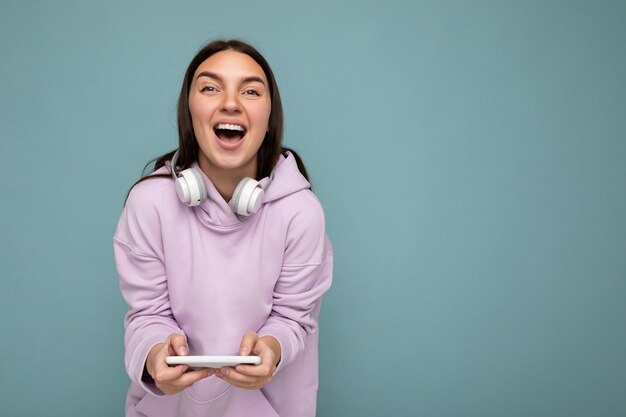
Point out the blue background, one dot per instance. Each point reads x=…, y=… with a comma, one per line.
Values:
x=470, y=157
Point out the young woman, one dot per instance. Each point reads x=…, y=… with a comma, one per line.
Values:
x=213, y=263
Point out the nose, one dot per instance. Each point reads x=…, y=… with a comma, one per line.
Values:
x=230, y=102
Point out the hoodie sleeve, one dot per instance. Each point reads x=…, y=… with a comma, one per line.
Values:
x=139, y=263
x=305, y=276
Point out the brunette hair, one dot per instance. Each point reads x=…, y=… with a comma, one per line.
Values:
x=270, y=149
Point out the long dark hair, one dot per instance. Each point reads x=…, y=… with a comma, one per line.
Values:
x=270, y=149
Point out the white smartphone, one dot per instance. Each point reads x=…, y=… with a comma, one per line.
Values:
x=212, y=361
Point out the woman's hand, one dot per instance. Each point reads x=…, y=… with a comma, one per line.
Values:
x=171, y=380
x=253, y=376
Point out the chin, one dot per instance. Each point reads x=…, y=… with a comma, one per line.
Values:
x=234, y=164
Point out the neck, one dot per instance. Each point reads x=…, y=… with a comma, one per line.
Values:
x=226, y=180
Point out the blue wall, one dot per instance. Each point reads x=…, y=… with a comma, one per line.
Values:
x=470, y=157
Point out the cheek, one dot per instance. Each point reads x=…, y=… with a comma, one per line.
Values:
x=199, y=111
x=263, y=114
x=193, y=110
x=199, y=107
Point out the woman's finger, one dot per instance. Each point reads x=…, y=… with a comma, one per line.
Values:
x=238, y=379
x=168, y=373
x=177, y=344
x=191, y=377
x=266, y=368
x=254, y=370
x=247, y=343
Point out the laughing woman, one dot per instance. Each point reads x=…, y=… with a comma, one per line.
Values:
x=222, y=250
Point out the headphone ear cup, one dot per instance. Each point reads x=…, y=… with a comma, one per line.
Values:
x=247, y=197
x=190, y=187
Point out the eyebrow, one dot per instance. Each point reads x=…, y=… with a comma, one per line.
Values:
x=213, y=75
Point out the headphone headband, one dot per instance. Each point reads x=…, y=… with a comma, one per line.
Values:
x=192, y=191
x=173, y=164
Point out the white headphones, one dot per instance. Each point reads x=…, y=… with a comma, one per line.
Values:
x=192, y=191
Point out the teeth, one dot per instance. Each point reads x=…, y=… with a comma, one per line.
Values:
x=228, y=126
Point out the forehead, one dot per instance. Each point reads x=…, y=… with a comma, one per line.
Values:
x=231, y=65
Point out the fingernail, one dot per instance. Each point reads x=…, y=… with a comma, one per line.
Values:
x=239, y=369
x=218, y=373
x=182, y=350
x=244, y=351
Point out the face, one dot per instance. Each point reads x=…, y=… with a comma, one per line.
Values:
x=230, y=104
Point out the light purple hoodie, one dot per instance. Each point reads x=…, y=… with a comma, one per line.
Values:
x=212, y=275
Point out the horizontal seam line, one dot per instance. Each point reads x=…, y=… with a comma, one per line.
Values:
x=121, y=242
x=297, y=265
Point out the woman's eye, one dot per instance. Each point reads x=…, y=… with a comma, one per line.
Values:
x=252, y=92
x=208, y=88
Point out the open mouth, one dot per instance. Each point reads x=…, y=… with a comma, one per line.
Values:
x=229, y=133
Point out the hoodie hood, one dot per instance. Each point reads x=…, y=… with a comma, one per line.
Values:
x=287, y=180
